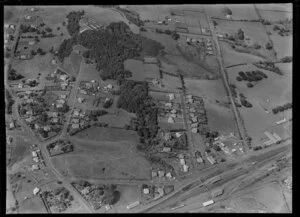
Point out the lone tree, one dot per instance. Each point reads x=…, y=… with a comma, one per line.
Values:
x=269, y=46
x=240, y=34
x=227, y=11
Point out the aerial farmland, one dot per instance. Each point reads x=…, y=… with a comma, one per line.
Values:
x=148, y=108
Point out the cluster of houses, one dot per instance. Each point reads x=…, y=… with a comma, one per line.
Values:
x=36, y=157
x=92, y=87
x=79, y=119
x=206, y=41
x=152, y=192
x=161, y=174
x=63, y=78
x=61, y=101
x=59, y=147
x=167, y=19
x=172, y=108
x=185, y=167
x=210, y=158
x=9, y=30
x=196, y=112
x=288, y=182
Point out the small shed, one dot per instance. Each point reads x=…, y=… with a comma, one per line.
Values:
x=36, y=191
x=154, y=173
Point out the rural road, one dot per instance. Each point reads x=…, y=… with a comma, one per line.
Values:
x=240, y=125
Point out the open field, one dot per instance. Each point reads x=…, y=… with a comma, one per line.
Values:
x=137, y=69
x=72, y=64
x=267, y=199
x=11, y=14
x=90, y=73
x=253, y=30
x=31, y=68
x=211, y=89
x=232, y=57
x=166, y=40
x=276, y=88
x=20, y=149
x=33, y=205
x=220, y=118
x=129, y=194
x=245, y=11
x=108, y=134
x=120, y=119
x=103, y=160
x=282, y=45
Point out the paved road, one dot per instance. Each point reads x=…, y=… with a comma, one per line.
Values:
x=240, y=125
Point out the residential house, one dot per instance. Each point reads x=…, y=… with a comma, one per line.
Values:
x=194, y=125
x=75, y=120
x=36, y=159
x=75, y=126
x=173, y=115
x=36, y=191
x=11, y=125
x=154, y=174
x=161, y=173
x=47, y=128
x=167, y=136
x=166, y=149
x=59, y=105
x=63, y=96
x=146, y=191
x=182, y=161
x=35, y=167
x=80, y=100
x=31, y=43
x=83, y=92
x=54, y=120
x=36, y=126
x=194, y=119
x=63, y=77
x=171, y=120
x=169, y=105
x=171, y=96
x=194, y=130
x=76, y=113
x=169, y=175
x=180, y=156
x=34, y=154
x=178, y=134
x=185, y=168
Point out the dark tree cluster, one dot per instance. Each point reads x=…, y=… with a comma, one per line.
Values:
x=233, y=90
x=244, y=101
x=251, y=76
x=96, y=113
x=66, y=48
x=282, y=108
x=13, y=75
x=134, y=98
x=268, y=65
x=9, y=102
x=132, y=16
x=287, y=59
x=173, y=34
x=269, y=46
x=73, y=26
x=27, y=28
x=110, y=48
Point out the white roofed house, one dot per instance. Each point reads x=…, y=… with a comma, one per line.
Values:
x=178, y=134
x=171, y=120
x=171, y=96
x=47, y=128
x=185, y=168
x=194, y=130
x=11, y=125
x=63, y=77
x=166, y=149
x=75, y=126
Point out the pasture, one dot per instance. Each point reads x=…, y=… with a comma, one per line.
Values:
x=120, y=119
x=220, y=118
x=31, y=68
x=89, y=73
x=137, y=69
x=20, y=149
x=253, y=30
x=245, y=11
x=232, y=57
x=108, y=134
x=282, y=45
x=129, y=194
x=99, y=159
x=276, y=89
x=166, y=40
x=33, y=205
x=71, y=64
x=11, y=14
x=210, y=89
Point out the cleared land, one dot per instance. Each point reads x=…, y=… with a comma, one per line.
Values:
x=276, y=88
x=103, y=160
